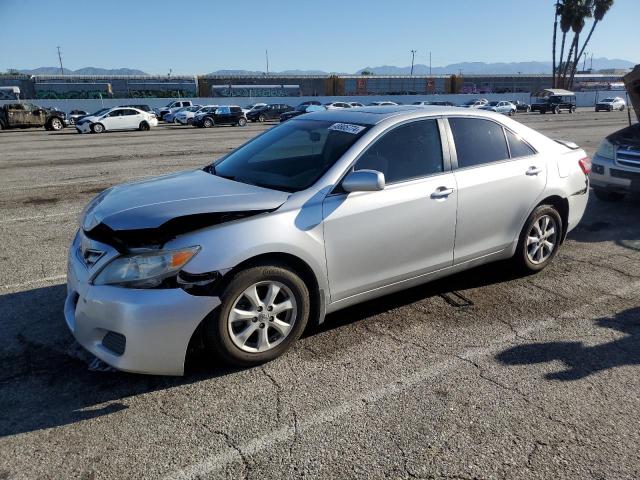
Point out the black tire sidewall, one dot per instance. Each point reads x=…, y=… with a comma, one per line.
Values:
x=521, y=258
x=216, y=332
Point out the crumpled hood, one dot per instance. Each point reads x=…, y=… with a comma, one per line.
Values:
x=151, y=203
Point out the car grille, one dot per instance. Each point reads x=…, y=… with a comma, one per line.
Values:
x=115, y=342
x=628, y=157
x=624, y=174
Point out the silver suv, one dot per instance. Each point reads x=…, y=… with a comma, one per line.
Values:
x=616, y=165
x=321, y=212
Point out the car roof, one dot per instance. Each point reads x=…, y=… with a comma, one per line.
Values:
x=372, y=115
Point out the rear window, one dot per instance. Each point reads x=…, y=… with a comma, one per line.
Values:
x=517, y=146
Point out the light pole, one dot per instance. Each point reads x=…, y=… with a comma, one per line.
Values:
x=413, y=56
x=60, y=58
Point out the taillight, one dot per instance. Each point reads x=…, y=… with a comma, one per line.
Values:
x=585, y=165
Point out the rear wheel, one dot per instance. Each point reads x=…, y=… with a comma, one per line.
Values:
x=264, y=311
x=512, y=113
x=607, y=196
x=539, y=240
x=528, y=109
x=622, y=108
x=97, y=128
x=573, y=110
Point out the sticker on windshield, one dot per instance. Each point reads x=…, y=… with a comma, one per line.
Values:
x=347, y=128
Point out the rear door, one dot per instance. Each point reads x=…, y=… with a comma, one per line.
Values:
x=114, y=120
x=499, y=178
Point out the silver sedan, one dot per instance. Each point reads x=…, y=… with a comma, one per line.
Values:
x=325, y=211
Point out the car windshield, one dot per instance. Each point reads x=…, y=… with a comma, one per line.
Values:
x=492, y=104
x=290, y=157
x=609, y=100
x=102, y=111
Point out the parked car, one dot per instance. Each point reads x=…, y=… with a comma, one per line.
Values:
x=118, y=118
x=316, y=214
x=504, y=107
x=384, y=103
x=170, y=107
x=610, y=104
x=521, y=106
x=475, y=103
x=616, y=165
x=443, y=103
x=268, y=112
x=25, y=115
x=334, y=105
x=200, y=114
x=186, y=115
x=222, y=115
x=421, y=103
x=252, y=107
x=311, y=102
x=556, y=101
x=171, y=116
x=74, y=115
x=356, y=104
x=300, y=110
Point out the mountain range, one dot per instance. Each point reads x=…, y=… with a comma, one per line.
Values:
x=419, y=69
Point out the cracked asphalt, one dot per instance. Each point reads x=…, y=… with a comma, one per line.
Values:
x=484, y=375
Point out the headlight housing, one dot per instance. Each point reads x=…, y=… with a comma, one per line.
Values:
x=145, y=269
x=606, y=149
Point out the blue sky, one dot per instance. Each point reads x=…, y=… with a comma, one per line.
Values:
x=199, y=36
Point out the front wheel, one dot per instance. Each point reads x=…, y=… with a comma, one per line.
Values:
x=261, y=118
x=144, y=127
x=207, y=123
x=56, y=124
x=264, y=311
x=539, y=240
x=242, y=122
x=556, y=110
x=512, y=113
x=97, y=128
x=622, y=108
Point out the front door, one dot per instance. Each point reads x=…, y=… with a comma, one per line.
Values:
x=373, y=239
x=499, y=178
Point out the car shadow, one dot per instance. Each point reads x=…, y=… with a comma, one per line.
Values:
x=581, y=360
x=45, y=380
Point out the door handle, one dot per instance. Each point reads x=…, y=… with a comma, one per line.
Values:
x=442, y=192
x=534, y=170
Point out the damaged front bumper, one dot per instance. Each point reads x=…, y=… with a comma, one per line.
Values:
x=134, y=330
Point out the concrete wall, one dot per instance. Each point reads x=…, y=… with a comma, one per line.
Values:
x=583, y=99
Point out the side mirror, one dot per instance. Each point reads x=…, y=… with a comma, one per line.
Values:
x=364, y=181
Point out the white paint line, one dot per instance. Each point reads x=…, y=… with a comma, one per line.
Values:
x=54, y=278
x=218, y=461
x=37, y=217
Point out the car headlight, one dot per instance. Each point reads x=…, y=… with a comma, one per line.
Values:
x=606, y=149
x=145, y=270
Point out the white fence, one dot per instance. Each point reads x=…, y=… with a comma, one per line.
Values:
x=583, y=99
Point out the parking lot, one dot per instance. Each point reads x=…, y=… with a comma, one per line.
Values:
x=484, y=375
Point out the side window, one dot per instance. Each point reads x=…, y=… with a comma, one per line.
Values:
x=409, y=151
x=517, y=146
x=478, y=141
x=115, y=113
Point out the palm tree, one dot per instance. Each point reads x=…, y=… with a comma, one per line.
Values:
x=580, y=9
x=567, y=11
x=555, y=33
x=600, y=8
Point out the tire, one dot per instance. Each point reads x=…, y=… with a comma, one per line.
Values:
x=56, y=124
x=622, y=108
x=207, y=123
x=97, y=128
x=572, y=110
x=512, y=113
x=223, y=336
x=144, y=127
x=607, y=196
x=527, y=258
x=261, y=118
x=528, y=109
x=542, y=112
x=556, y=110
x=242, y=122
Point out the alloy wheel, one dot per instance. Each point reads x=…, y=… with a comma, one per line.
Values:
x=262, y=316
x=542, y=239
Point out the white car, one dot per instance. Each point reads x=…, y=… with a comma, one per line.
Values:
x=185, y=116
x=336, y=105
x=610, y=104
x=385, y=103
x=505, y=107
x=476, y=103
x=252, y=107
x=356, y=104
x=119, y=118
